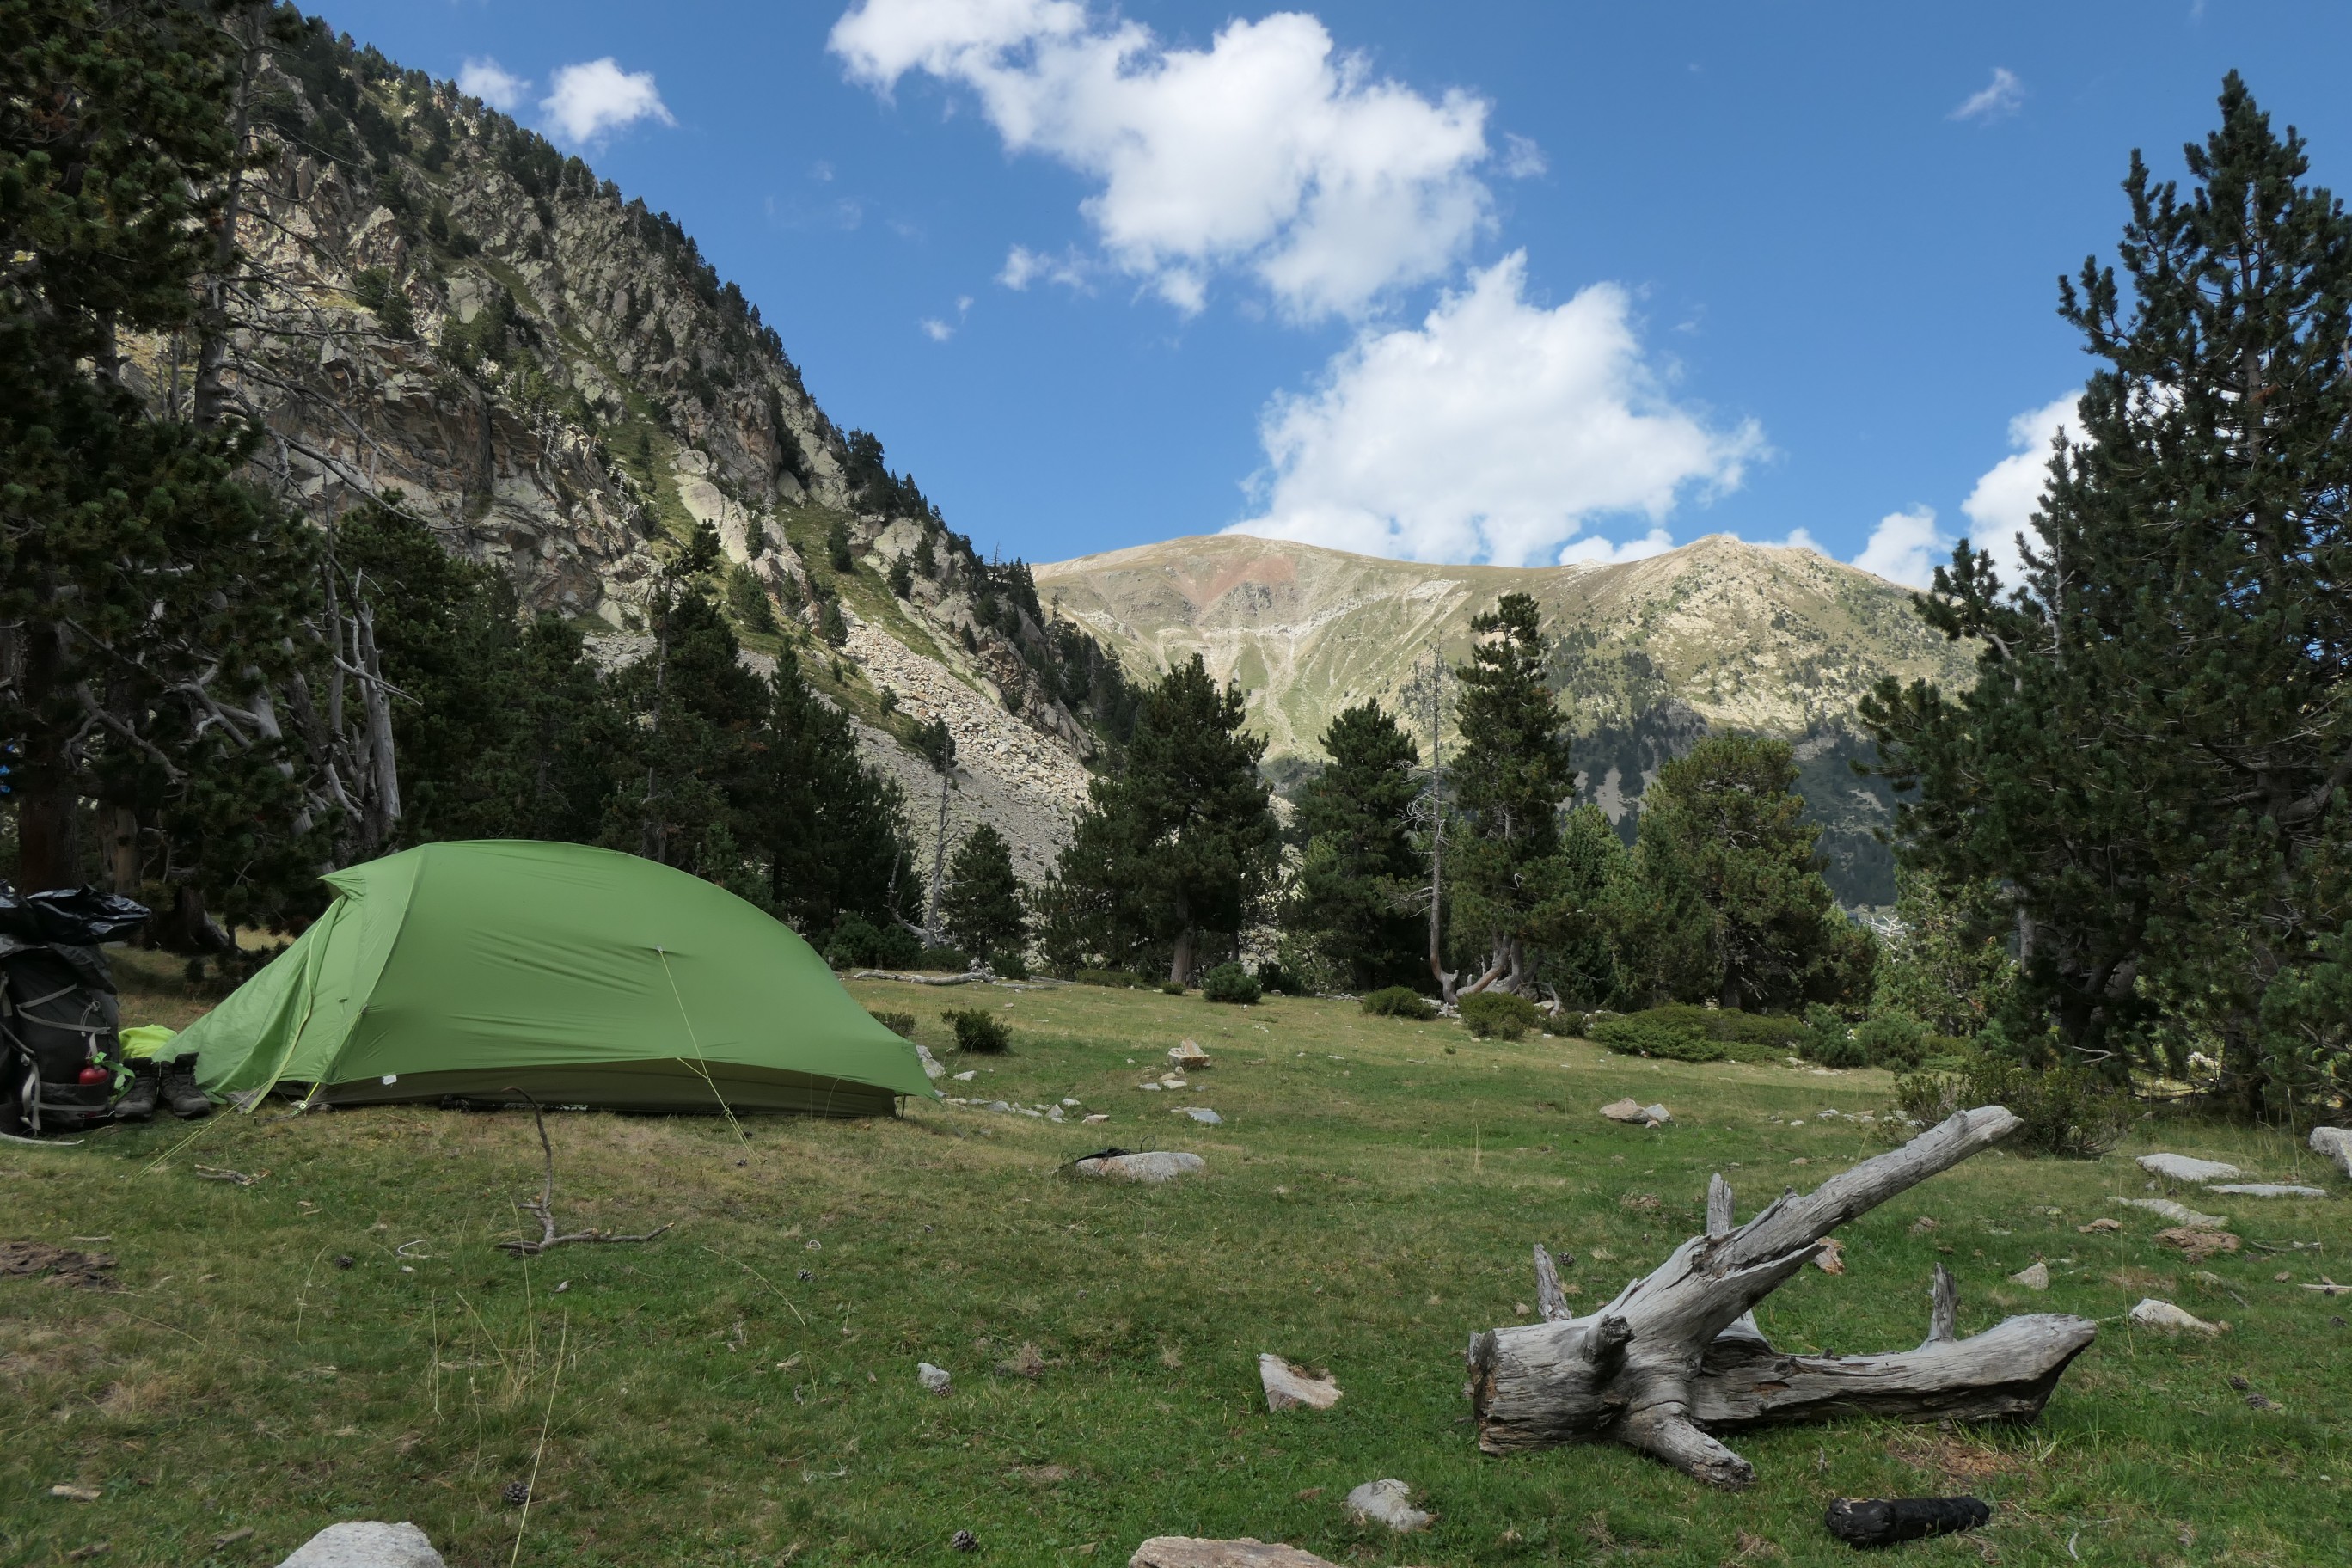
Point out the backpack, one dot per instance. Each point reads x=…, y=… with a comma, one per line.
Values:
x=59, y=1010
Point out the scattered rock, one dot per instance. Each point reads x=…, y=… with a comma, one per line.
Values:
x=1388, y=1501
x=1624, y=1110
x=2035, y=1276
x=967, y=1075
x=1052, y=1113
x=1200, y=1113
x=2196, y=1244
x=366, y=1544
x=2187, y=1168
x=2271, y=1190
x=1149, y=1088
x=2334, y=1143
x=75, y=1494
x=1188, y=1057
x=2165, y=1208
x=1656, y=1115
x=1288, y=1387
x=934, y=1379
x=2099, y=1227
x=1100, y=1116
x=2168, y=1319
x=1155, y=1167
x=931, y=1067
x=1172, y=1080
x=1187, y=1551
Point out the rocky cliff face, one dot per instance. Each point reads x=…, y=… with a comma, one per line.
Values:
x=445, y=311
x=1648, y=657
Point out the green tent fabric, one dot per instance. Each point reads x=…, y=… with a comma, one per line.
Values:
x=578, y=975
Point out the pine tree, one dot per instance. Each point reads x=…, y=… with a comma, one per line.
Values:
x=1177, y=848
x=2153, y=759
x=1731, y=904
x=830, y=830
x=1355, y=900
x=1509, y=781
x=983, y=907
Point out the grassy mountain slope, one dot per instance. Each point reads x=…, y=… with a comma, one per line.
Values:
x=1649, y=655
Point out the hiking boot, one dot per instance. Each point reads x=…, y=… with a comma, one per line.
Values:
x=138, y=1102
x=180, y=1092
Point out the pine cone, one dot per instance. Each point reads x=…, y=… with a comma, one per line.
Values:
x=517, y=1493
x=962, y=1540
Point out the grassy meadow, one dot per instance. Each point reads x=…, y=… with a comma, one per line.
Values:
x=340, y=1339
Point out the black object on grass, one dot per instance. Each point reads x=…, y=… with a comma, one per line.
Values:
x=1888, y=1521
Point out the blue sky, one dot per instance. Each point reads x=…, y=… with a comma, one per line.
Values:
x=1485, y=280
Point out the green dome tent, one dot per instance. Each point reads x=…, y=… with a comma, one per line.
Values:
x=578, y=975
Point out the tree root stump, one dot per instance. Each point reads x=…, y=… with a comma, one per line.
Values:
x=1676, y=1356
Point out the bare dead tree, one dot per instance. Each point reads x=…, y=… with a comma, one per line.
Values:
x=1677, y=1356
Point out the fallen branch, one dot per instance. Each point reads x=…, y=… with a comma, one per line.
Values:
x=1678, y=1353
x=543, y=1207
x=222, y=1174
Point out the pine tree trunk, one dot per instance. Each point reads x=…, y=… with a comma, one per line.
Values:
x=1180, y=967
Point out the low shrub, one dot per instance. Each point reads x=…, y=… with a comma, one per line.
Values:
x=979, y=1031
x=1280, y=981
x=902, y=1023
x=858, y=944
x=1772, y=1033
x=1171, y=988
x=1641, y=1035
x=1399, y=1002
x=1892, y=1039
x=2068, y=1113
x=953, y=960
x=1232, y=983
x=1117, y=979
x=1829, y=1040
x=1500, y=1015
x=1009, y=965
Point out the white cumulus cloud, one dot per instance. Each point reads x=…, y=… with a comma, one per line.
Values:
x=1595, y=551
x=1907, y=547
x=588, y=101
x=1270, y=152
x=1497, y=429
x=2002, y=97
x=2002, y=504
x=485, y=78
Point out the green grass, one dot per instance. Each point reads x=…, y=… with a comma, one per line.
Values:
x=1369, y=1203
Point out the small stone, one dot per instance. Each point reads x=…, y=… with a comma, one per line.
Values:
x=1153, y=1168
x=1170, y=1081
x=75, y=1494
x=1288, y=1387
x=1189, y=1057
x=967, y=1075
x=2271, y=1190
x=1187, y=1551
x=1071, y=1104
x=2166, y=1318
x=2179, y=1213
x=1202, y=1115
x=1098, y=1116
x=1656, y=1115
x=934, y=1379
x=1387, y=1501
x=1624, y=1110
x=2186, y=1168
x=1149, y=1088
x=2099, y=1227
x=931, y=1066
x=2033, y=1277
x=1052, y=1113
x=366, y=1544
x=2334, y=1143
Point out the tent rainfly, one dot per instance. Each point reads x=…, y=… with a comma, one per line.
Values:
x=581, y=976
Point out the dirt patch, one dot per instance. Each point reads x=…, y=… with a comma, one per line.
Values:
x=2147, y=1280
x=28, y=1259
x=1954, y=1458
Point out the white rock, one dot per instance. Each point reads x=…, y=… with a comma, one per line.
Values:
x=2270, y=1190
x=933, y=1378
x=1155, y=1167
x=1188, y=1055
x=1052, y=1113
x=1170, y=1081
x=2035, y=1276
x=1068, y=1101
x=967, y=1077
x=1000, y=1105
x=2168, y=1319
x=1624, y=1110
x=931, y=1067
x=1200, y=1113
x=1098, y=1116
x=1287, y=1388
x=2179, y=1213
x=1149, y=1088
x=1386, y=1502
x=366, y=1544
x=1656, y=1115
x=2335, y=1143
x=2186, y=1168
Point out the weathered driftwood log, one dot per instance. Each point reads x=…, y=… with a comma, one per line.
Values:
x=1677, y=1351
